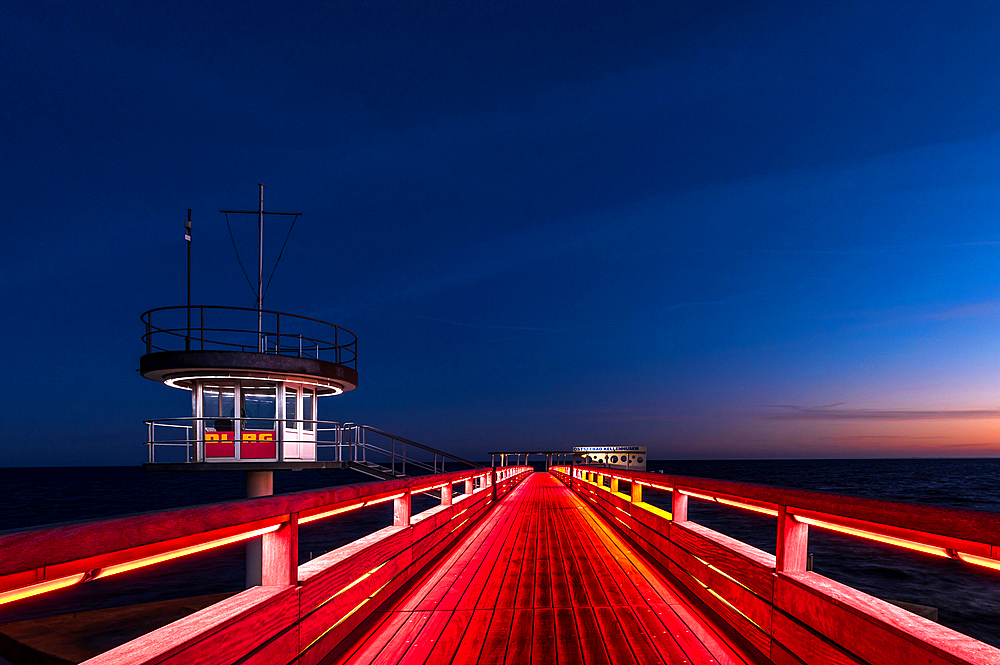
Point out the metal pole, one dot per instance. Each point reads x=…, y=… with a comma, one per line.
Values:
x=187, y=236
x=260, y=264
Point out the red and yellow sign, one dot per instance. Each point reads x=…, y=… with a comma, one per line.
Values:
x=253, y=445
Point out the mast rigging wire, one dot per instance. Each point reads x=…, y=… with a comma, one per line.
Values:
x=287, y=236
x=233, y=240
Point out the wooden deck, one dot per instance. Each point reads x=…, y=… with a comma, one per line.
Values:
x=541, y=580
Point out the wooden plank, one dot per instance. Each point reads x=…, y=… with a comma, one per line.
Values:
x=424, y=643
x=638, y=640
x=526, y=581
x=618, y=563
x=494, y=646
x=607, y=581
x=543, y=564
x=519, y=643
x=281, y=648
x=696, y=651
x=665, y=644
x=870, y=628
x=369, y=650
x=495, y=559
x=489, y=540
x=754, y=607
x=506, y=590
x=447, y=643
x=808, y=646
x=351, y=643
x=543, y=637
x=317, y=622
x=615, y=640
x=567, y=639
x=328, y=574
x=757, y=637
x=336, y=631
x=473, y=640
x=592, y=645
x=485, y=587
x=782, y=656
x=430, y=592
x=751, y=567
x=398, y=649
x=702, y=630
x=226, y=631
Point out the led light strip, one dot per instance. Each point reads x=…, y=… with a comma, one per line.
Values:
x=97, y=573
x=891, y=540
x=747, y=506
x=344, y=509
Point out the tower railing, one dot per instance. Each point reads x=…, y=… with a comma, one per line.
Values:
x=367, y=446
x=223, y=328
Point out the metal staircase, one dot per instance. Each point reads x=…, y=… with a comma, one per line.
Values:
x=385, y=456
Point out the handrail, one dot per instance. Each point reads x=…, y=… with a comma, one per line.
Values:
x=970, y=532
x=774, y=601
x=47, y=558
x=189, y=335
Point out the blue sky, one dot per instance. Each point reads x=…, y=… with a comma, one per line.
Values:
x=729, y=230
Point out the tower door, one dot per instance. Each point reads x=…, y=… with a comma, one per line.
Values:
x=300, y=426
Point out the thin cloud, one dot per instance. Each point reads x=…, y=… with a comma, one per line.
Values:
x=484, y=326
x=819, y=413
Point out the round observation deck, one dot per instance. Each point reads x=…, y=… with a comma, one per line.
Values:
x=185, y=345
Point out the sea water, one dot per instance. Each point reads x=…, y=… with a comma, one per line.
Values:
x=967, y=597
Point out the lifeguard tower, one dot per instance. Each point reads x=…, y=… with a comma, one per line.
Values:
x=255, y=378
x=254, y=390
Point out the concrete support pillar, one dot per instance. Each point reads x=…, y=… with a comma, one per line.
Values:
x=258, y=483
x=446, y=493
x=679, y=506
x=401, y=510
x=793, y=543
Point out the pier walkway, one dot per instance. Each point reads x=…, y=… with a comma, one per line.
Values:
x=541, y=579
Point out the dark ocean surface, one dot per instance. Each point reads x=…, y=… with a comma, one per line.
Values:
x=967, y=597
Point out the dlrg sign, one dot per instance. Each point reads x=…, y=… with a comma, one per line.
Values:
x=253, y=445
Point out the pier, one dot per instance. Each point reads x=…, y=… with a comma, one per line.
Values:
x=517, y=566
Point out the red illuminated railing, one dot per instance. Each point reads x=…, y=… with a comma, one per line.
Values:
x=47, y=559
x=788, y=613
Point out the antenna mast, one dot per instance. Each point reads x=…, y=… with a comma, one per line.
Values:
x=260, y=212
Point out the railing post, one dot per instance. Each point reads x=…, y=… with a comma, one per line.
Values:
x=149, y=434
x=446, y=493
x=401, y=510
x=280, y=554
x=793, y=542
x=679, y=506
x=614, y=485
x=469, y=488
x=493, y=482
x=636, y=492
